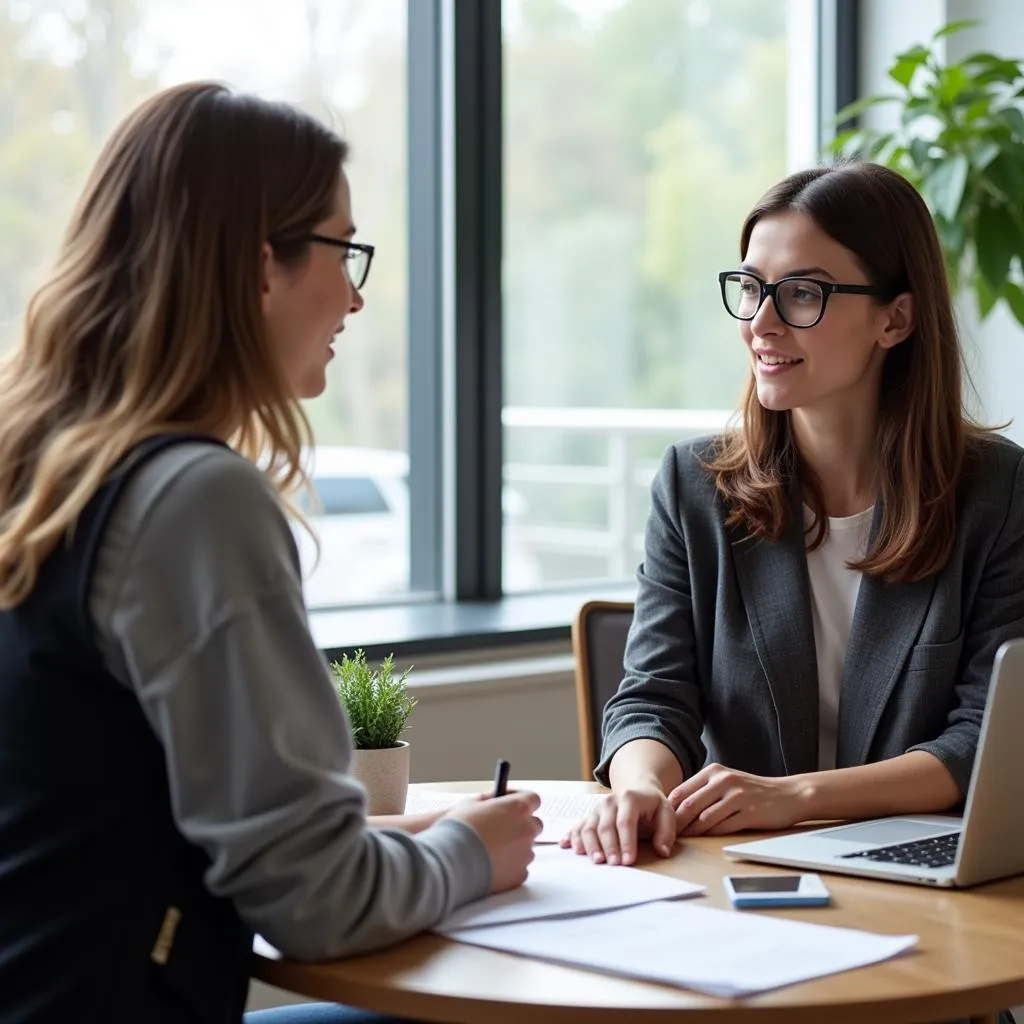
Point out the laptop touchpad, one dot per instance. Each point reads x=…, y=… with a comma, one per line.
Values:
x=886, y=831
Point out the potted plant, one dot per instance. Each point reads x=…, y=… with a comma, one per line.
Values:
x=378, y=704
x=960, y=141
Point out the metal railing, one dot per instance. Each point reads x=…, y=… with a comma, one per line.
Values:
x=623, y=475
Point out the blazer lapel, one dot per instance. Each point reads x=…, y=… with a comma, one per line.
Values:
x=773, y=582
x=886, y=623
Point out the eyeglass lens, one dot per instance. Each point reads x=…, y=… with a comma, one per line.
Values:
x=357, y=265
x=798, y=301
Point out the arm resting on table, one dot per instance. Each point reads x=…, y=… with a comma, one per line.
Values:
x=913, y=783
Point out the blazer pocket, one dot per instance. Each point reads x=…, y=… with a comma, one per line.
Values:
x=936, y=657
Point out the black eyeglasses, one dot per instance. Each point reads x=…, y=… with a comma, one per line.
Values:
x=799, y=301
x=357, y=255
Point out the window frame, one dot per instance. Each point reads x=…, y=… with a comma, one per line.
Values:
x=455, y=202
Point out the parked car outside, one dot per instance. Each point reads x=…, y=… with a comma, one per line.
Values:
x=363, y=529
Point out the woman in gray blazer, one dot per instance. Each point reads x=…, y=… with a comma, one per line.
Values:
x=823, y=588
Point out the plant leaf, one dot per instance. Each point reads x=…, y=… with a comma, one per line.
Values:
x=945, y=185
x=1005, y=71
x=996, y=241
x=846, y=143
x=920, y=152
x=984, y=155
x=919, y=106
x=907, y=63
x=985, y=297
x=978, y=108
x=953, y=236
x=973, y=98
x=1005, y=173
x=878, y=144
x=952, y=82
x=1015, y=300
x=857, y=107
x=955, y=26
x=1013, y=119
x=982, y=57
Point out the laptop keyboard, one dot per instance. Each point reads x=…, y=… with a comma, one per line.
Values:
x=937, y=852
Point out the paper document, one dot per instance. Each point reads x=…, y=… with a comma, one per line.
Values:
x=720, y=952
x=563, y=883
x=558, y=811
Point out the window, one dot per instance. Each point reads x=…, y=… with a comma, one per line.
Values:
x=348, y=496
x=635, y=135
x=638, y=133
x=72, y=68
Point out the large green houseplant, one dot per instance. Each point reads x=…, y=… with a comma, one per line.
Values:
x=960, y=140
x=378, y=704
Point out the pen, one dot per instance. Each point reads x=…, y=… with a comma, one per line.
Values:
x=501, y=770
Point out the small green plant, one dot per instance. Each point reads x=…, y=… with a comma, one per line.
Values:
x=960, y=142
x=378, y=702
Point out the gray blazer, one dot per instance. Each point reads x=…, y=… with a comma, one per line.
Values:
x=720, y=663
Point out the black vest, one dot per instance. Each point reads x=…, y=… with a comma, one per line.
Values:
x=103, y=912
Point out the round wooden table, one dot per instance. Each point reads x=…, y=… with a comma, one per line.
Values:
x=969, y=962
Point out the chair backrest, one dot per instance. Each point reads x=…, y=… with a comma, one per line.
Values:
x=598, y=643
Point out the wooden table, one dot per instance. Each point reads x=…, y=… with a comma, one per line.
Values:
x=969, y=962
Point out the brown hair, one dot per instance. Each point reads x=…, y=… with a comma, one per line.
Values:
x=923, y=429
x=151, y=321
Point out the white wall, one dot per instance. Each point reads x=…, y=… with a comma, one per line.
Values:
x=886, y=28
x=517, y=704
x=995, y=348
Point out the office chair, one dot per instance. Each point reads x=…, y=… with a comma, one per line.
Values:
x=598, y=643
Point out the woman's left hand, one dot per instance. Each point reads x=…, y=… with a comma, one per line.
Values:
x=718, y=801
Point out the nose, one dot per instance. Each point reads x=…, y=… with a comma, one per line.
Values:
x=767, y=320
x=357, y=301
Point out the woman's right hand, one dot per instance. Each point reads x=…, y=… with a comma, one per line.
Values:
x=507, y=826
x=612, y=830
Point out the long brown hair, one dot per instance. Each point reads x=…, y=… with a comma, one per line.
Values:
x=151, y=321
x=923, y=429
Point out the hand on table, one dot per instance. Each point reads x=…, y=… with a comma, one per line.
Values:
x=612, y=830
x=718, y=801
x=507, y=826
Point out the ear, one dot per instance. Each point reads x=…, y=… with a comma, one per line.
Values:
x=898, y=321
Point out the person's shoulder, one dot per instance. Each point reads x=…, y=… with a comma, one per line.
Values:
x=200, y=487
x=991, y=491
x=690, y=459
x=992, y=461
x=199, y=474
x=989, y=448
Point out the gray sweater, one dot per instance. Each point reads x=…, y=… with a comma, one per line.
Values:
x=197, y=606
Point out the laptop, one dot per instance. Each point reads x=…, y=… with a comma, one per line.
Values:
x=987, y=842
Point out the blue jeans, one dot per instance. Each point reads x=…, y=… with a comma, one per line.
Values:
x=318, y=1013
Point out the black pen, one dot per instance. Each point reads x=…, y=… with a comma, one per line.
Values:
x=501, y=770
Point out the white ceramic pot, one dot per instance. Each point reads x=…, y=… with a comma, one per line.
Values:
x=385, y=776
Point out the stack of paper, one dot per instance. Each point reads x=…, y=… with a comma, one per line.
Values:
x=558, y=811
x=561, y=884
x=619, y=920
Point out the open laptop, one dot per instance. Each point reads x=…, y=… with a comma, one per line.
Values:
x=986, y=843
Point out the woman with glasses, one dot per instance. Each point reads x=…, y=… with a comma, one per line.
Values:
x=825, y=586
x=173, y=759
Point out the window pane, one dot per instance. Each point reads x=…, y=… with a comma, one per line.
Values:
x=72, y=68
x=638, y=133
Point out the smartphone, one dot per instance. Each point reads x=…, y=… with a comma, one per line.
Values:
x=749, y=891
